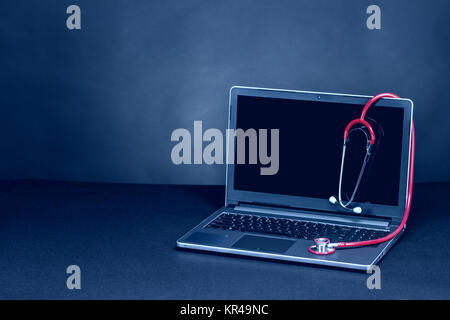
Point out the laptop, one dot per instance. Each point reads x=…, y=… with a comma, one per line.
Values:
x=278, y=215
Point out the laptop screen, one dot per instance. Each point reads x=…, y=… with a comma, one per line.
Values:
x=310, y=149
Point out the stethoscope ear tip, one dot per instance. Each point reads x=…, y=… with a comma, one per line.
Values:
x=332, y=199
x=357, y=210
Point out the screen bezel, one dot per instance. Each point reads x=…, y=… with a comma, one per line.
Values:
x=385, y=211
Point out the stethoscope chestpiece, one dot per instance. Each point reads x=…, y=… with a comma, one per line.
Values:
x=322, y=247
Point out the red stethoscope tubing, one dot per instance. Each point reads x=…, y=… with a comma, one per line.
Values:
x=410, y=182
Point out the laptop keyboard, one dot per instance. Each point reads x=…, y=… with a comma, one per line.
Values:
x=293, y=228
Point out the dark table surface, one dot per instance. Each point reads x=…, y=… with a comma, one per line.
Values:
x=123, y=238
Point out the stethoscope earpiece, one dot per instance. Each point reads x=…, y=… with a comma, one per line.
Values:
x=357, y=210
x=333, y=200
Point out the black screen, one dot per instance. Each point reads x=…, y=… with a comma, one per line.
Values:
x=310, y=149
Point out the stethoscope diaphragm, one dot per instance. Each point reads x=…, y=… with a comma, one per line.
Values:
x=322, y=247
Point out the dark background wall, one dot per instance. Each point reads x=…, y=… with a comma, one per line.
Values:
x=99, y=104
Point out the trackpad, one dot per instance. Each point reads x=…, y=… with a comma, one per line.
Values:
x=265, y=244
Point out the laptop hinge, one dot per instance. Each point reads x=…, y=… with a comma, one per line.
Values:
x=317, y=215
x=231, y=203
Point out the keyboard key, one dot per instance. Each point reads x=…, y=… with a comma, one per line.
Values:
x=293, y=228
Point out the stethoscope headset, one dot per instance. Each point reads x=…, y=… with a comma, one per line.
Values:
x=368, y=159
x=323, y=246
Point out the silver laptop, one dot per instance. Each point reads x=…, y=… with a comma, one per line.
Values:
x=278, y=214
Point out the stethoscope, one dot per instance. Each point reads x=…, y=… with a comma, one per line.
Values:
x=323, y=246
